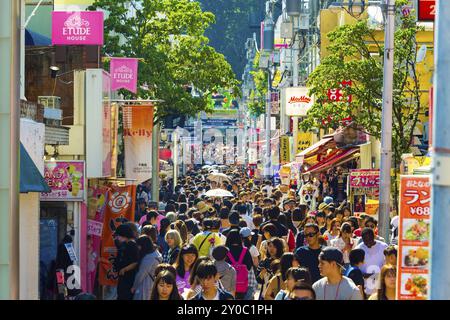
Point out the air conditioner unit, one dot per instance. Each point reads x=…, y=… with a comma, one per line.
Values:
x=52, y=102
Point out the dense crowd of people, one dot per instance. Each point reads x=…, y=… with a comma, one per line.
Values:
x=259, y=243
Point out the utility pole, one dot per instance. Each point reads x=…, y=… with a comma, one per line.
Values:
x=386, y=124
x=295, y=58
x=268, y=49
x=440, y=174
x=155, y=163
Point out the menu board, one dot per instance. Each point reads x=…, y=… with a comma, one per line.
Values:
x=414, y=238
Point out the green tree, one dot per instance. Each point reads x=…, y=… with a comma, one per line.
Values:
x=357, y=55
x=169, y=35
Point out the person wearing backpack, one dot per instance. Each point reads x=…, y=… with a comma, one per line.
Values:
x=226, y=272
x=240, y=259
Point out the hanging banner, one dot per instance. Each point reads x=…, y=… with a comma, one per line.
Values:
x=304, y=141
x=119, y=209
x=124, y=74
x=77, y=28
x=137, y=135
x=65, y=179
x=96, y=211
x=414, y=236
x=364, y=191
x=285, y=151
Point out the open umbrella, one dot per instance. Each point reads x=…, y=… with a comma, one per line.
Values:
x=218, y=177
x=218, y=193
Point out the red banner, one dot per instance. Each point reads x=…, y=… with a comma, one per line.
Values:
x=364, y=178
x=413, y=238
x=119, y=208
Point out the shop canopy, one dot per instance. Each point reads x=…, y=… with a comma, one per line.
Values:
x=340, y=156
x=31, y=180
x=309, y=155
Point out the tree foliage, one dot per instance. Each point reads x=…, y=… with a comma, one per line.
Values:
x=257, y=99
x=356, y=54
x=169, y=35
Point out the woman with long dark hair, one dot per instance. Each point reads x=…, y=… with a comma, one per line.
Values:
x=149, y=259
x=239, y=255
x=265, y=270
x=387, y=287
x=288, y=260
x=165, y=287
x=194, y=282
x=186, y=260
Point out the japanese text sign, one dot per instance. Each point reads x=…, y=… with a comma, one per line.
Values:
x=364, y=178
x=77, y=28
x=414, y=237
x=124, y=74
x=337, y=95
x=65, y=179
x=94, y=228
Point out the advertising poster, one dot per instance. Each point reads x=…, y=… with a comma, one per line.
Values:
x=297, y=101
x=364, y=190
x=137, y=135
x=414, y=237
x=119, y=208
x=65, y=179
x=96, y=211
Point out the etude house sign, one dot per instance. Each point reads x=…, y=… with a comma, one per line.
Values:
x=77, y=28
x=297, y=101
x=124, y=73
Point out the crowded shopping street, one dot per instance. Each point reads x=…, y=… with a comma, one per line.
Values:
x=249, y=150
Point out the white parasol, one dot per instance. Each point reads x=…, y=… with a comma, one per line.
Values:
x=218, y=177
x=218, y=193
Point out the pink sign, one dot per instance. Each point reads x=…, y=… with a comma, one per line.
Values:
x=65, y=179
x=124, y=74
x=77, y=28
x=363, y=178
x=94, y=228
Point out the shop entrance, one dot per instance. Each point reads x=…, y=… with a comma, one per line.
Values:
x=52, y=229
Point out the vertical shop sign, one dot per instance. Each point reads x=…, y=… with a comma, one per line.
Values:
x=414, y=238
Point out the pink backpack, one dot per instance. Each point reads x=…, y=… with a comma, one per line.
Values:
x=241, y=271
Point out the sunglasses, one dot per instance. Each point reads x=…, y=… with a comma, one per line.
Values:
x=311, y=234
x=302, y=298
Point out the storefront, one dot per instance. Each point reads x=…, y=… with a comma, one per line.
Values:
x=62, y=217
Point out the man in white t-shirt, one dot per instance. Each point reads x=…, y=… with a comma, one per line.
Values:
x=374, y=259
x=267, y=189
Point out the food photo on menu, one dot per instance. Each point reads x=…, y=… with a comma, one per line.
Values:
x=416, y=230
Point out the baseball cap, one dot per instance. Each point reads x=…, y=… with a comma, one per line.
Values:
x=246, y=232
x=332, y=254
x=328, y=200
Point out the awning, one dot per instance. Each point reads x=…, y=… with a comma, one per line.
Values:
x=36, y=39
x=31, y=179
x=335, y=160
x=314, y=147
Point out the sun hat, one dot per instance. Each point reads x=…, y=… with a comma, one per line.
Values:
x=202, y=207
x=323, y=206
